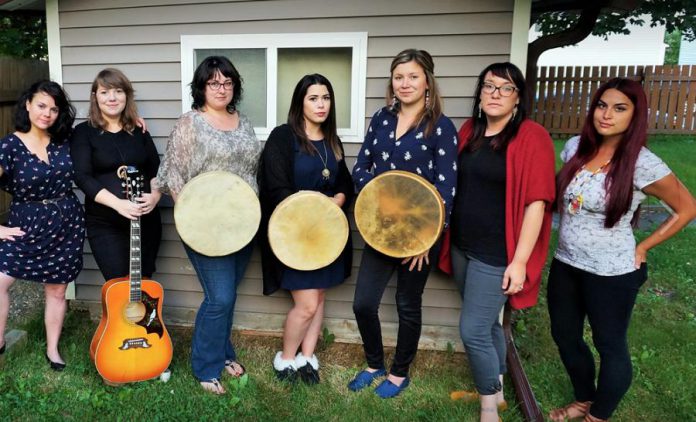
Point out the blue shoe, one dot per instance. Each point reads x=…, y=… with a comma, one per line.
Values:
x=388, y=389
x=364, y=379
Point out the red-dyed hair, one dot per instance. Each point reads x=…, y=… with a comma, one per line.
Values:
x=619, y=180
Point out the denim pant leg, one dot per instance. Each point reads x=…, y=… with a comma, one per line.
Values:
x=479, y=324
x=409, y=305
x=219, y=277
x=375, y=271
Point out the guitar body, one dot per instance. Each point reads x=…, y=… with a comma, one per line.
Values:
x=131, y=343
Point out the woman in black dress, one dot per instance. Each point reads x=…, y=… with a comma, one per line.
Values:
x=304, y=154
x=108, y=140
x=43, y=238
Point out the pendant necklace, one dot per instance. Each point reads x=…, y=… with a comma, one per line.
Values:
x=575, y=199
x=324, y=160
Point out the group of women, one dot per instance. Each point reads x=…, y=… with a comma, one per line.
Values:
x=495, y=178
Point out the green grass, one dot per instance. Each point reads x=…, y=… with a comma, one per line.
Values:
x=662, y=342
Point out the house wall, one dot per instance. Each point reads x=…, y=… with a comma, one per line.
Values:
x=142, y=38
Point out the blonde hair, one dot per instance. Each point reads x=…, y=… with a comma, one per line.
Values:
x=112, y=78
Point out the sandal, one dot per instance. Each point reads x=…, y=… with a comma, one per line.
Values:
x=230, y=368
x=214, y=386
x=473, y=396
x=575, y=410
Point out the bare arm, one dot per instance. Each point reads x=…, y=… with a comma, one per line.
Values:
x=670, y=190
x=516, y=272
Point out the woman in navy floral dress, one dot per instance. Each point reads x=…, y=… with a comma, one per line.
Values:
x=43, y=238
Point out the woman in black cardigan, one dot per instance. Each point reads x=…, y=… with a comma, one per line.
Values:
x=304, y=154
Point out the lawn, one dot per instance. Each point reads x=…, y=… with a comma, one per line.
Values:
x=662, y=339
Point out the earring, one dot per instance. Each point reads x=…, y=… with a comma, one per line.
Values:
x=427, y=99
x=514, y=113
x=479, y=113
x=394, y=103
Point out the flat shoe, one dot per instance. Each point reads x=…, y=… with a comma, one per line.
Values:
x=2, y=349
x=214, y=386
x=56, y=366
x=229, y=367
x=388, y=389
x=365, y=379
x=574, y=410
x=473, y=396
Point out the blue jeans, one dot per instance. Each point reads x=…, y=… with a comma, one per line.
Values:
x=219, y=276
x=479, y=324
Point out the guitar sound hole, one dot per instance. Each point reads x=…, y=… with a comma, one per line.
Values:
x=134, y=312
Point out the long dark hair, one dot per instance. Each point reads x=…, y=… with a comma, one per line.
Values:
x=206, y=71
x=512, y=73
x=433, y=110
x=296, y=118
x=619, y=179
x=110, y=78
x=62, y=127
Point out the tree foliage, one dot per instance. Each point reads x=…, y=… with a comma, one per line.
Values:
x=23, y=35
x=673, y=14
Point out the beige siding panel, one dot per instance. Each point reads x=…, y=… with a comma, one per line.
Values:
x=441, y=45
x=449, y=86
x=136, y=72
x=253, y=11
x=115, y=55
x=77, y=5
x=150, y=91
x=383, y=26
x=444, y=66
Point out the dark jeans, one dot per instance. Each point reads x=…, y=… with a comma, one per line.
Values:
x=376, y=269
x=607, y=301
x=219, y=277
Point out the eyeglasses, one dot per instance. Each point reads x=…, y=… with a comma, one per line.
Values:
x=505, y=90
x=215, y=85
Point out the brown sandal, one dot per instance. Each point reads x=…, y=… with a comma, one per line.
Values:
x=575, y=410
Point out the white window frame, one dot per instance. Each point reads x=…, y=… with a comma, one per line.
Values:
x=271, y=43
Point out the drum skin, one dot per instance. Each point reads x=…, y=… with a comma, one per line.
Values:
x=307, y=231
x=399, y=214
x=217, y=213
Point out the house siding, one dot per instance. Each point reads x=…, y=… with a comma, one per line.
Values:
x=142, y=38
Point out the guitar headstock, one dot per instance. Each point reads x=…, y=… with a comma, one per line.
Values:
x=132, y=181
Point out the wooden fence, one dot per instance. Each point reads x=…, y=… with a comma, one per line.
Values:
x=15, y=76
x=563, y=96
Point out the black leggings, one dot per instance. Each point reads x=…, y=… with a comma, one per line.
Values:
x=110, y=244
x=607, y=301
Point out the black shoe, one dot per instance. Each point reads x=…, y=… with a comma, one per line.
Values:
x=284, y=369
x=288, y=375
x=2, y=349
x=308, y=374
x=56, y=366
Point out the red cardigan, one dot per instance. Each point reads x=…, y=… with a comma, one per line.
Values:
x=530, y=177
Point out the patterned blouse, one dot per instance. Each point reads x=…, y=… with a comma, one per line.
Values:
x=196, y=147
x=434, y=157
x=583, y=241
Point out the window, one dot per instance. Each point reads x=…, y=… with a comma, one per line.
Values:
x=271, y=65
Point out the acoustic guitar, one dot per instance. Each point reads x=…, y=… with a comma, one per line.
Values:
x=131, y=343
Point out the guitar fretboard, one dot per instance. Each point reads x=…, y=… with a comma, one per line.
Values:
x=135, y=270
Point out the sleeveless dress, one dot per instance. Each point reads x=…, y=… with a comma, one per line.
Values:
x=45, y=207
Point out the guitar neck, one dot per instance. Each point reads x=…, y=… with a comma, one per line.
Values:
x=135, y=268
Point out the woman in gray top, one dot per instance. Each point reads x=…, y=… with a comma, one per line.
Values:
x=213, y=136
x=598, y=268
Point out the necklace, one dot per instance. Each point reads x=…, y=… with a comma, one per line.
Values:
x=575, y=199
x=326, y=173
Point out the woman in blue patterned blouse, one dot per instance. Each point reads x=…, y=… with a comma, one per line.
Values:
x=409, y=134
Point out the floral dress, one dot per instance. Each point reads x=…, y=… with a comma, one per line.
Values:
x=45, y=207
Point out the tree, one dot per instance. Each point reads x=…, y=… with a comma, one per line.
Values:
x=567, y=22
x=23, y=35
